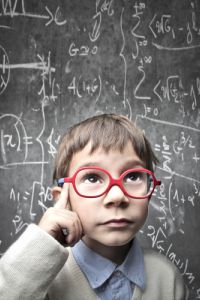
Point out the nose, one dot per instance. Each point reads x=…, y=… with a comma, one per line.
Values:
x=115, y=197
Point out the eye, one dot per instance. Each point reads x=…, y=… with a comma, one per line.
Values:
x=91, y=178
x=133, y=177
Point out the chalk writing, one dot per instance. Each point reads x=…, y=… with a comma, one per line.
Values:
x=106, y=6
x=161, y=25
x=80, y=87
x=82, y=51
x=9, y=9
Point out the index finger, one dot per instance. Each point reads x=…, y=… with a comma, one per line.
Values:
x=63, y=199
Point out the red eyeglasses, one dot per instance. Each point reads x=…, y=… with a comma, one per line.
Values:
x=93, y=182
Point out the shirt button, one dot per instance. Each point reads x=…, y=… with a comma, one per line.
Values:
x=118, y=273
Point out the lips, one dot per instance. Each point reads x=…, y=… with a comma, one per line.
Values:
x=117, y=223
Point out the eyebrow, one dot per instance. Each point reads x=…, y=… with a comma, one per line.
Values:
x=134, y=164
x=126, y=165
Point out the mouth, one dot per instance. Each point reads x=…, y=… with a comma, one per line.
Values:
x=118, y=223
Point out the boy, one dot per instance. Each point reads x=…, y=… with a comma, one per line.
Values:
x=104, y=169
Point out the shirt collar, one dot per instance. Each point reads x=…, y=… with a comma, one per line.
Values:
x=133, y=265
x=98, y=269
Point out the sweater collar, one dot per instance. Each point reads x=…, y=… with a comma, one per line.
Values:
x=98, y=269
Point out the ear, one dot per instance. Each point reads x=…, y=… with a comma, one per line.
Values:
x=56, y=190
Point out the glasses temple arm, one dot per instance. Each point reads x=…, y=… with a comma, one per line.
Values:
x=60, y=182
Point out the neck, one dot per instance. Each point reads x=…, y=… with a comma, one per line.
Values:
x=116, y=254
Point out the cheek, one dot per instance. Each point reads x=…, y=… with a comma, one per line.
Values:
x=140, y=211
x=74, y=199
x=81, y=206
x=145, y=213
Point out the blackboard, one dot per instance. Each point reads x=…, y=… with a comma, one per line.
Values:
x=62, y=61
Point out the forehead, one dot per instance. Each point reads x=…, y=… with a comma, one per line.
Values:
x=114, y=158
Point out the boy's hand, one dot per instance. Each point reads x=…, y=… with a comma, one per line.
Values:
x=60, y=217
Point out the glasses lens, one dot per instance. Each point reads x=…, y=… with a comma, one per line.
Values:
x=91, y=182
x=138, y=184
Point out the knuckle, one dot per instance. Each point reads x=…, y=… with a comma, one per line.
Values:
x=50, y=210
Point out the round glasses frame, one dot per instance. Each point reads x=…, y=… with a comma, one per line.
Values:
x=112, y=182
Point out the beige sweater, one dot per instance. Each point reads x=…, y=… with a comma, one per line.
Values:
x=36, y=267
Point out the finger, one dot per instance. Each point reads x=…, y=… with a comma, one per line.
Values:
x=74, y=234
x=63, y=199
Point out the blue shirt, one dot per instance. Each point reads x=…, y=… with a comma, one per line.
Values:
x=109, y=280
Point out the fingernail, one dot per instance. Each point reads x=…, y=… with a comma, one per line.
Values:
x=65, y=231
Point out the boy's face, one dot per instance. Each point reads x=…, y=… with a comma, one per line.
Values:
x=112, y=219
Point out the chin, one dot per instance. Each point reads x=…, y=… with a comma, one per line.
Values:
x=117, y=242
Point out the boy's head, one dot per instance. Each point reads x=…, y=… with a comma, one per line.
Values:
x=106, y=131
x=111, y=143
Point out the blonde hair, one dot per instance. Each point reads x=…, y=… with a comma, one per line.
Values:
x=108, y=131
